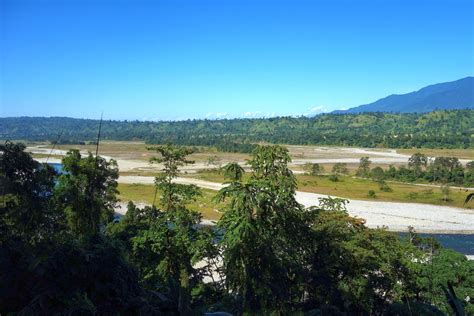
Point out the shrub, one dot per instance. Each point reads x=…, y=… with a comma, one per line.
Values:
x=384, y=187
x=412, y=195
x=313, y=169
x=371, y=194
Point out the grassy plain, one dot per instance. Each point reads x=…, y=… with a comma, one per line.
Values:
x=145, y=193
x=355, y=188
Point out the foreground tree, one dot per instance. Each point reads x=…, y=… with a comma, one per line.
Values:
x=26, y=190
x=278, y=258
x=48, y=267
x=87, y=192
x=167, y=248
x=233, y=172
x=261, y=228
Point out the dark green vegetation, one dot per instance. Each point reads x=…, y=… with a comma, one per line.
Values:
x=444, y=170
x=62, y=253
x=439, y=129
x=457, y=94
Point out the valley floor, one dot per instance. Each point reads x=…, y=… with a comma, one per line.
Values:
x=422, y=208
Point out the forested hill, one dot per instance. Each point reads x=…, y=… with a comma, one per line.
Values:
x=452, y=95
x=448, y=129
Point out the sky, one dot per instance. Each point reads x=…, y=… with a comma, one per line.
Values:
x=175, y=60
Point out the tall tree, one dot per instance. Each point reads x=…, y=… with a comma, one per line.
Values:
x=26, y=190
x=261, y=228
x=87, y=192
x=233, y=171
x=446, y=169
x=417, y=162
x=166, y=249
x=364, y=167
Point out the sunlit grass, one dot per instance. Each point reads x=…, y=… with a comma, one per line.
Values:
x=145, y=193
x=353, y=188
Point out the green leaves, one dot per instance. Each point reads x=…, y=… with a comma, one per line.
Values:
x=87, y=192
x=469, y=198
x=268, y=255
x=233, y=171
x=26, y=191
x=261, y=225
x=172, y=157
x=169, y=243
x=364, y=167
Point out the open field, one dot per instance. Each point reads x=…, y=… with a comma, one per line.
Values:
x=352, y=188
x=144, y=193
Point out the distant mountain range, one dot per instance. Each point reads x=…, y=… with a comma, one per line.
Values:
x=457, y=94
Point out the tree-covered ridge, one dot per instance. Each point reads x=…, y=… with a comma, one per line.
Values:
x=445, y=129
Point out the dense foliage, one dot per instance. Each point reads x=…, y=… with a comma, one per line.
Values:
x=439, y=129
x=444, y=170
x=62, y=253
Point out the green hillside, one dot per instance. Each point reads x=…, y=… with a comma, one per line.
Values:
x=438, y=129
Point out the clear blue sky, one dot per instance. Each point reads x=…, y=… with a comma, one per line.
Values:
x=195, y=59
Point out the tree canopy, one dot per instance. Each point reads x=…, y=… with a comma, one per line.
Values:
x=61, y=252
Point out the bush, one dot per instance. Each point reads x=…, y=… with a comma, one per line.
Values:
x=445, y=190
x=333, y=178
x=412, y=195
x=313, y=169
x=427, y=192
x=384, y=187
x=371, y=194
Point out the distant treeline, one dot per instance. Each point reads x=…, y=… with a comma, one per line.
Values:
x=438, y=129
